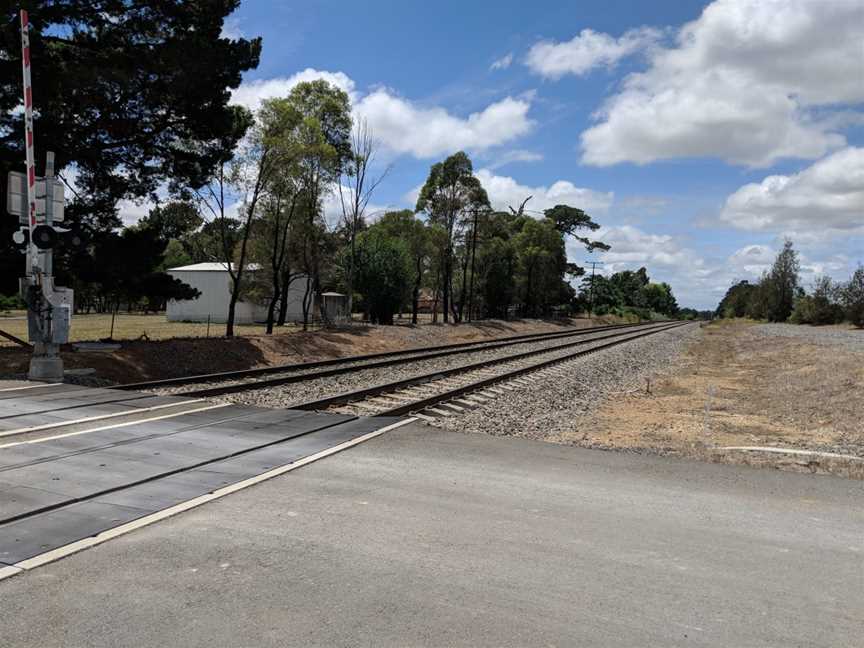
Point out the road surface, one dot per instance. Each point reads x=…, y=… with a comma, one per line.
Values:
x=430, y=538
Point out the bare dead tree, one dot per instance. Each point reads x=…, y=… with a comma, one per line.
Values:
x=250, y=172
x=521, y=210
x=355, y=191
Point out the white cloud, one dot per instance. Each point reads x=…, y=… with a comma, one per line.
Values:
x=632, y=248
x=504, y=192
x=516, y=155
x=332, y=207
x=503, y=63
x=404, y=127
x=231, y=29
x=587, y=51
x=252, y=93
x=825, y=199
x=741, y=84
x=752, y=260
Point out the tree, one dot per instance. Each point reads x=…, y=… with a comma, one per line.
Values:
x=781, y=284
x=853, y=298
x=659, y=299
x=498, y=261
x=383, y=274
x=355, y=192
x=631, y=286
x=403, y=225
x=736, y=301
x=542, y=263
x=324, y=140
x=173, y=221
x=570, y=220
x=450, y=194
x=250, y=173
x=128, y=95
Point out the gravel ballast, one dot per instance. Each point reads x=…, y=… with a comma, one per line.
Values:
x=560, y=397
x=852, y=339
x=301, y=392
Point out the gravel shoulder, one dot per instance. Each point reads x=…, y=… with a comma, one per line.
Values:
x=698, y=391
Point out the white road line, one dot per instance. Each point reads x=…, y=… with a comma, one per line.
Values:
x=86, y=543
x=116, y=425
x=793, y=451
x=89, y=419
x=8, y=389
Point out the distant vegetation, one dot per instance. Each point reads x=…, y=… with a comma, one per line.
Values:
x=779, y=297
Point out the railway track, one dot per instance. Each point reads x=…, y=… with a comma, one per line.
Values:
x=452, y=391
x=224, y=383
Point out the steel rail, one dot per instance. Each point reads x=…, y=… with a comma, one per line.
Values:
x=390, y=358
x=366, y=392
x=456, y=392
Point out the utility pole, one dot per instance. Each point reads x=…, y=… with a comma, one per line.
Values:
x=594, y=264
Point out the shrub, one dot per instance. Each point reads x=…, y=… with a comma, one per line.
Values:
x=11, y=302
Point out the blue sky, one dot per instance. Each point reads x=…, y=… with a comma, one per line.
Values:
x=698, y=134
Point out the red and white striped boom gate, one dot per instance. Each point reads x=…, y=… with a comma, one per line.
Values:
x=34, y=255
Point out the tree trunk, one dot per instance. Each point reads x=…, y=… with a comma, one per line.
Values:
x=271, y=307
x=415, y=297
x=283, y=297
x=464, y=294
x=446, y=287
x=232, y=307
x=471, y=312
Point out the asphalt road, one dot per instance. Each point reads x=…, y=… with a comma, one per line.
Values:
x=430, y=538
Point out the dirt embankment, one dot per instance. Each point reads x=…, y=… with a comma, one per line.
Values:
x=738, y=385
x=151, y=360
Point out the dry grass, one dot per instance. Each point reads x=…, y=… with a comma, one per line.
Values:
x=132, y=327
x=735, y=388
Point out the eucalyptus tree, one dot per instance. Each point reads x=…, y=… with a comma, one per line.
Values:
x=449, y=196
x=403, y=225
x=245, y=181
x=323, y=137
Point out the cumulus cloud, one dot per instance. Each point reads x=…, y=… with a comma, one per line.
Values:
x=742, y=83
x=403, y=126
x=251, y=93
x=825, y=198
x=588, y=50
x=632, y=248
x=503, y=63
x=504, y=192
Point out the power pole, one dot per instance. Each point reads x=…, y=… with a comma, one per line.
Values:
x=594, y=264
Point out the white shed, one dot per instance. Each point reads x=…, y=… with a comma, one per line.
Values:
x=214, y=283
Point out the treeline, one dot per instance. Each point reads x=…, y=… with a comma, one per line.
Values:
x=263, y=211
x=778, y=296
x=629, y=293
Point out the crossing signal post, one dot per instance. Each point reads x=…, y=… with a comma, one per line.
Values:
x=38, y=203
